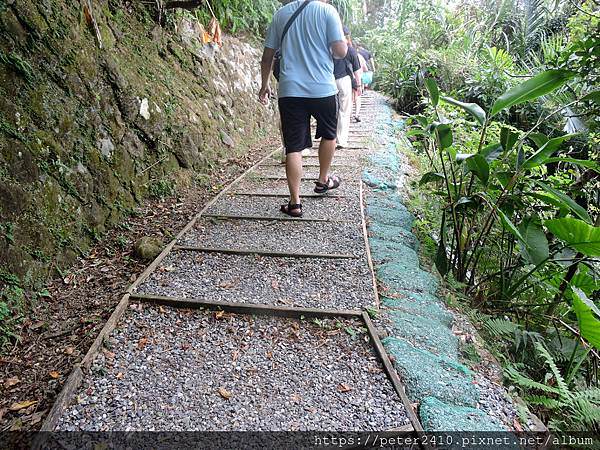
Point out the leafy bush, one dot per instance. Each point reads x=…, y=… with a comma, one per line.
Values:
x=514, y=165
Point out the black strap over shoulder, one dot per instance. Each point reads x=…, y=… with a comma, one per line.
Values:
x=291, y=20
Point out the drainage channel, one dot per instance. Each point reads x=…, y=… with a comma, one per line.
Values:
x=248, y=320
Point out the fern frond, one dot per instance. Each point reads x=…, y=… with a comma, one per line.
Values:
x=586, y=413
x=564, y=390
x=500, y=327
x=590, y=394
x=526, y=382
x=546, y=402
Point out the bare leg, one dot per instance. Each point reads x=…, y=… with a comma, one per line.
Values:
x=358, y=103
x=293, y=169
x=326, y=151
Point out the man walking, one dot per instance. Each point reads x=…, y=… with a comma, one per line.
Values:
x=307, y=33
x=348, y=79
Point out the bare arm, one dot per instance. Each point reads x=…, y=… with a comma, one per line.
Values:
x=266, y=66
x=339, y=49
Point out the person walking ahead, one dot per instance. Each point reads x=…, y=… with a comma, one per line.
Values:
x=306, y=87
x=348, y=78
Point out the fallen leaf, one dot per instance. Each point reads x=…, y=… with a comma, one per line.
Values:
x=270, y=355
x=161, y=309
x=517, y=425
x=120, y=376
x=54, y=374
x=169, y=268
x=296, y=398
x=16, y=425
x=235, y=355
x=10, y=382
x=37, y=325
x=108, y=354
x=219, y=315
x=22, y=405
x=69, y=350
x=186, y=346
x=68, y=279
x=344, y=388
x=225, y=393
x=37, y=417
x=275, y=284
x=227, y=284
x=142, y=343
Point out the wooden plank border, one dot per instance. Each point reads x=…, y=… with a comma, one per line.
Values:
x=268, y=253
x=283, y=195
x=367, y=246
x=393, y=375
x=267, y=218
x=246, y=308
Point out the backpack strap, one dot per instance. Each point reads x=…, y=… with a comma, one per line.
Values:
x=291, y=20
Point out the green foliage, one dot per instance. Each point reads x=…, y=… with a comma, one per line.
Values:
x=18, y=65
x=576, y=234
x=571, y=407
x=507, y=125
x=587, y=316
x=163, y=188
x=12, y=299
x=237, y=16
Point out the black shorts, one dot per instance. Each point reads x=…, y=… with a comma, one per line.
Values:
x=295, y=120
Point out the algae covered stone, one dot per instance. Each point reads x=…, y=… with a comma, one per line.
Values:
x=429, y=375
x=436, y=415
x=148, y=248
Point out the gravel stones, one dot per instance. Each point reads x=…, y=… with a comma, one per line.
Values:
x=298, y=237
x=280, y=188
x=345, y=172
x=300, y=282
x=181, y=370
x=313, y=208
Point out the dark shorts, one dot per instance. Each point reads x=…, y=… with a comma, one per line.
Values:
x=295, y=120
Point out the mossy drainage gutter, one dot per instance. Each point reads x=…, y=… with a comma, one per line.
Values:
x=421, y=342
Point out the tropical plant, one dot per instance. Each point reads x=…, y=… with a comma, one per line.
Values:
x=566, y=405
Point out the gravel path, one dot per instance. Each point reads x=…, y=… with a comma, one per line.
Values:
x=310, y=282
x=280, y=187
x=343, y=209
x=222, y=372
x=307, y=237
x=345, y=173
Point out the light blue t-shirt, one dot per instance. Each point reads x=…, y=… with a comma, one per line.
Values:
x=306, y=62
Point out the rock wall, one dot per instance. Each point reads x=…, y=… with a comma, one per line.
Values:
x=86, y=133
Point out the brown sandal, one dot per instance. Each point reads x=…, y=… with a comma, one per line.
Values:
x=289, y=209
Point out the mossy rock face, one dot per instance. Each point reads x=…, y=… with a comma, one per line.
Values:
x=75, y=151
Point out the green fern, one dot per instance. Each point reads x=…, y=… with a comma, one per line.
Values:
x=573, y=408
x=500, y=327
x=525, y=382
x=565, y=392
